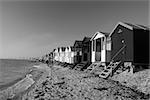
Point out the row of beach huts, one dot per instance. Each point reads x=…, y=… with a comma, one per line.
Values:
x=126, y=45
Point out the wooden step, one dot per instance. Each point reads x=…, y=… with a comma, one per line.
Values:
x=79, y=66
x=92, y=66
x=97, y=70
x=109, y=70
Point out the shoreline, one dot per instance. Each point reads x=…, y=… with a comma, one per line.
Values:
x=27, y=66
x=13, y=82
x=18, y=86
x=7, y=85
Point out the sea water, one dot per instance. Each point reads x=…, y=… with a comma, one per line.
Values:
x=12, y=70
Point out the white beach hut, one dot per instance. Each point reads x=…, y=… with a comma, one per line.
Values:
x=99, y=51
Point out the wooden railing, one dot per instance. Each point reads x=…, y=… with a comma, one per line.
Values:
x=118, y=53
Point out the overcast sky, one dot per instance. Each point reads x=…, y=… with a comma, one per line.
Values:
x=33, y=28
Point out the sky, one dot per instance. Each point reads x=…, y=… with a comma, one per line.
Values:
x=32, y=28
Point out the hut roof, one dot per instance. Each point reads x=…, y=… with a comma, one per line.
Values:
x=86, y=39
x=129, y=26
x=78, y=43
x=99, y=34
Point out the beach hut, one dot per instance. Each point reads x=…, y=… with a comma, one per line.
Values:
x=71, y=50
x=71, y=54
x=59, y=54
x=130, y=44
x=100, y=48
x=86, y=50
x=58, y=50
x=62, y=54
x=67, y=54
x=51, y=56
x=56, y=53
x=78, y=51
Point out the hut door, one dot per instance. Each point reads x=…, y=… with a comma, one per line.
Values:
x=85, y=56
x=98, y=49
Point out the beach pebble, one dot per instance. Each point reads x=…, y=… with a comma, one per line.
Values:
x=76, y=85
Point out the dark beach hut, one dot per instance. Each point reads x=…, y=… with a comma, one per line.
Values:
x=86, y=50
x=78, y=51
x=130, y=43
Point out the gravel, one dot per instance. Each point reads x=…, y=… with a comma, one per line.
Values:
x=67, y=84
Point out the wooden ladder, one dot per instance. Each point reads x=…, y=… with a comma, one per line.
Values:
x=92, y=66
x=79, y=66
x=97, y=69
x=109, y=69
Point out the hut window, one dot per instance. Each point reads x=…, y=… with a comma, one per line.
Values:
x=80, y=53
x=103, y=44
x=119, y=31
x=108, y=45
x=75, y=53
x=122, y=41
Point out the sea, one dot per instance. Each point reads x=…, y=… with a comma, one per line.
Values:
x=13, y=70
